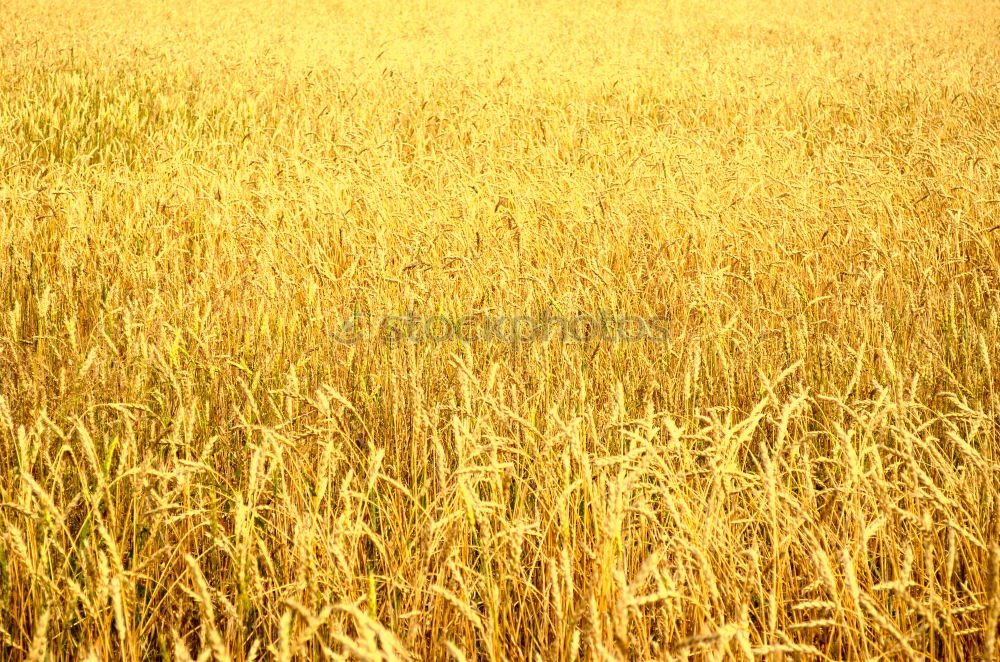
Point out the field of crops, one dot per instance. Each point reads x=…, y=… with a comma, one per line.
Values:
x=504, y=330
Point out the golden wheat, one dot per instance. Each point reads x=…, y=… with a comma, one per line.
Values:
x=198, y=200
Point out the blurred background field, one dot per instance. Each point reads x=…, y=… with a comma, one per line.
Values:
x=194, y=197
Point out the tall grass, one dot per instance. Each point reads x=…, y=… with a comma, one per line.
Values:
x=194, y=197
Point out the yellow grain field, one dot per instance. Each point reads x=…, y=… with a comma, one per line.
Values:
x=215, y=445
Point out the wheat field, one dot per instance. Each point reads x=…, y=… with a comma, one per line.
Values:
x=198, y=200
